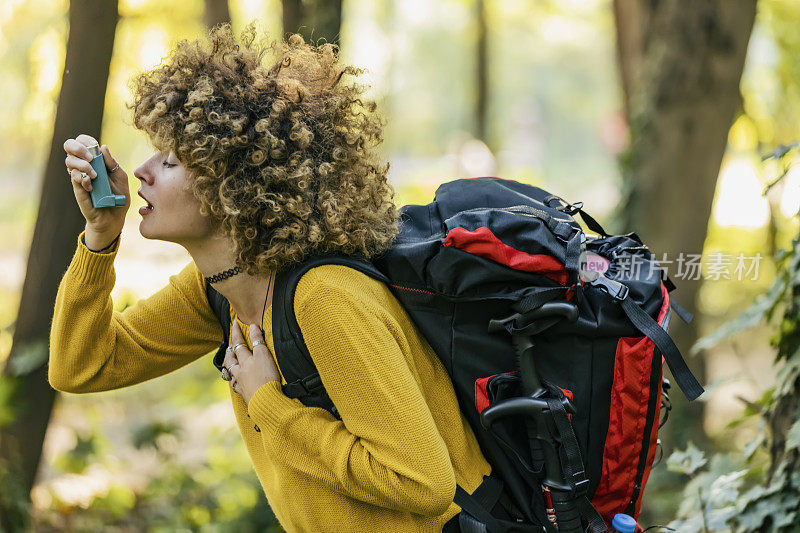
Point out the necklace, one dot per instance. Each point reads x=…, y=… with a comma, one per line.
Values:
x=225, y=274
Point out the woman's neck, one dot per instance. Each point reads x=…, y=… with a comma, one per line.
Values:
x=247, y=294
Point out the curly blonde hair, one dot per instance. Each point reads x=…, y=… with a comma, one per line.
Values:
x=283, y=157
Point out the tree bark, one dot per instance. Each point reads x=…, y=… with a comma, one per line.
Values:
x=632, y=24
x=482, y=74
x=681, y=62
x=216, y=12
x=59, y=221
x=315, y=20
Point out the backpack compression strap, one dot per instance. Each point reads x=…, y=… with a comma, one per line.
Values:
x=647, y=325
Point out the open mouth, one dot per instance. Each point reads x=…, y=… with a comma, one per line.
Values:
x=146, y=209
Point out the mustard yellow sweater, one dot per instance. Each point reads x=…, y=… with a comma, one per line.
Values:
x=391, y=463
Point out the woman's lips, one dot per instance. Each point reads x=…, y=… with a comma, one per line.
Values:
x=144, y=210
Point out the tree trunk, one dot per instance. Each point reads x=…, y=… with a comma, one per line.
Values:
x=481, y=73
x=313, y=19
x=216, y=12
x=59, y=221
x=681, y=62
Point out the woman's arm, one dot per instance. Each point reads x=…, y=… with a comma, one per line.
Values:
x=95, y=348
x=386, y=450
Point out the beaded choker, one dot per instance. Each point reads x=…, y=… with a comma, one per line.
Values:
x=225, y=274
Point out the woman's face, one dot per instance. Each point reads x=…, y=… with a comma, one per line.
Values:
x=175, y=212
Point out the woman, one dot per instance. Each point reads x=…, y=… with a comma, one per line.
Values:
x=256, y=168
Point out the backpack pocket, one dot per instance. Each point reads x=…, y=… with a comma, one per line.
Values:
x=633, y=423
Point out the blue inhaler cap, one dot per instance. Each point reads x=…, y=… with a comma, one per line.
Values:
x=623, y=523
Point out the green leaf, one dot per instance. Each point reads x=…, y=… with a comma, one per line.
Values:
x=712, y=387
x=78, y=458
x=28, y=357
x=725, y=489
x=8, y=387
x=146, y=435
x=793, y=436
x=750, y=317
x=751, y=447
x=687, y=461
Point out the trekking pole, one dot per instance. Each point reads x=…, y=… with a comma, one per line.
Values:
x=536, y=407
x=567, y=514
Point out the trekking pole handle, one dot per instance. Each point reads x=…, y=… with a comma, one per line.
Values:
x=566, y=310
x=568, y=516
x=520, y=405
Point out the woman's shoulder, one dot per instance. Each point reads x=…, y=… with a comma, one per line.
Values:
x=190, y=282
x=342, y=280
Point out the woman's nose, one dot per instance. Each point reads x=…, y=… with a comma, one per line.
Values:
x=143, y=174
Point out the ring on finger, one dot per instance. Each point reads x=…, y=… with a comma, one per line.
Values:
x=257, y=342
x=235, y=346
x=114, y=169
x=84, y=175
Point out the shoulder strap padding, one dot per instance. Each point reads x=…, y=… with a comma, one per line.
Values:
x=294, y=360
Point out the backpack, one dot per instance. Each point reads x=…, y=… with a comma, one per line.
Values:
x=555, y=351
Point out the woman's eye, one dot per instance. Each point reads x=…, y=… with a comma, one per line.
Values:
x=167, y=164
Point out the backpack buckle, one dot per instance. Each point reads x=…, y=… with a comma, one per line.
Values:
x=615, y=289
x=581, y=483
x=311, y=383
x=571, y=209
x=303, y=387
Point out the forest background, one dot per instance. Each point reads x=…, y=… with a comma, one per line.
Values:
x=655, y=114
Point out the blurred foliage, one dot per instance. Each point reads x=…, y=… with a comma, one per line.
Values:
x=769, y=117
x=757, y=489
x=166, y=455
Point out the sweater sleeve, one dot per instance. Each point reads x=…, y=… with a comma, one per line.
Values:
x=386, y=450
x=96, y=348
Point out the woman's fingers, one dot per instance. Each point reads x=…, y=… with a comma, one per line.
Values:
x=242, y=352
x=230, y=359
x=78, y=181
x=108, y=158
x=79, y=160
x=257, y=335
x=86, y=140
x=78, y=165
x=75, y=162
x=76, y=148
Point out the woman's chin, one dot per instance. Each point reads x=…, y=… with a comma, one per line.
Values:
x=144, y=231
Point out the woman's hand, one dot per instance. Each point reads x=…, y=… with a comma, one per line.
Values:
x=249, y=370
x=105, y=221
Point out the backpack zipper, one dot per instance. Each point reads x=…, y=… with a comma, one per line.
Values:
x=524, y=209
x=538, y=213
x=411, y=289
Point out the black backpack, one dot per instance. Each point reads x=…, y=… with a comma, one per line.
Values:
x=557, y=358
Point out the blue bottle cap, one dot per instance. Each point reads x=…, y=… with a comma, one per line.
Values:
x=623, y=523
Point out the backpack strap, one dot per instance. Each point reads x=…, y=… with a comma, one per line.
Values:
x=572, y=466
x=476, y=509
x=222, y=309
x=684, y=315
x=647, y=325
x=294, y=360
x=571, y=209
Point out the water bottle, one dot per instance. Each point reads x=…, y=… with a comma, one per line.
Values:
x=623, y=523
